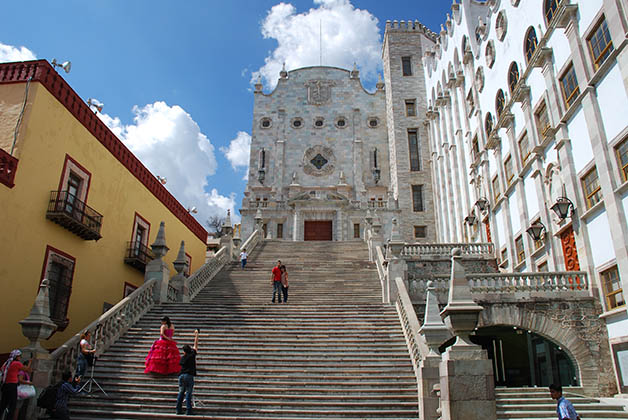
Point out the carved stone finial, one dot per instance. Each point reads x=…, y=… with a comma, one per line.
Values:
x=342, y=180
x=368, y=217
x=181, y=262
x=38, y=326
x=258, y=85
x=433, y=329
x=355, y=72
x=283, y=73
x=380, y=84
x=159, y=247
x=395, y=235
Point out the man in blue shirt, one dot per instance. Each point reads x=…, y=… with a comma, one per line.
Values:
x=564, y=407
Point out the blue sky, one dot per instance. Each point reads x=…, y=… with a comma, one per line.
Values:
x=175, y=77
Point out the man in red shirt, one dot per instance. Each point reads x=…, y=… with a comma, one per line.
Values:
x=10, y=369
x=275, y=280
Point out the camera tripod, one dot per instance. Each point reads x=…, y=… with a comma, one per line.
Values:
x=91, y=381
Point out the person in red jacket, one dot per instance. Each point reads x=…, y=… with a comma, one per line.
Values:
x=9, y=372
x=275, y=280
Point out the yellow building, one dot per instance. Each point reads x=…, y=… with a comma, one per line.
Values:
x=76, y=207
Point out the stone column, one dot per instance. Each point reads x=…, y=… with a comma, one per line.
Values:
x=435, y=333
x=179, y=281
x=466, y=375
x=38, y=326
x=157, y=268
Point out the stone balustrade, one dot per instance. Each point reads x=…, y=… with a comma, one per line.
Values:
x=444, y=250
x=410, y=325
x=208, y=271
x=380, y=262
x=107, y=328
x=173, y=294
x=252, y=241
x=557, y=281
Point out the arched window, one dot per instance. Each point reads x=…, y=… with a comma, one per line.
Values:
x=501, y=25
x=549, y=9
x=530, y=43
x=513, y=76
x=500, y=102
x=488, y=124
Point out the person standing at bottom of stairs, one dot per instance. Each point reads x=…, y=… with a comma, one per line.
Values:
x=275, y=280
x=284, y=283
x=564, y=407
x=186, y=377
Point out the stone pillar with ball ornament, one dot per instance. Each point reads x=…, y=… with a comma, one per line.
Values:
x=466, y=375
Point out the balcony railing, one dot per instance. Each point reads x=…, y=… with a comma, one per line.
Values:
x=67, y=210
x=444, y=250
x=8, y=166
x=138, y=255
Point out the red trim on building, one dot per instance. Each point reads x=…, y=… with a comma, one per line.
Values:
x=49, y=250
x=8, y=167
x=82, y=168
x=128, y=287
x=41, y=71
x=137, y=216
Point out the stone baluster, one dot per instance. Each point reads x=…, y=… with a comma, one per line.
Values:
x=226, y=239
x=466, y=374
x=179, y=281
x=157, y=268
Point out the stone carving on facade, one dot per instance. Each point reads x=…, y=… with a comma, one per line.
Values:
x=319, y=91
x=319, y=161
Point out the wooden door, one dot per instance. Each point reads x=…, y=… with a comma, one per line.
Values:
x=317, y=230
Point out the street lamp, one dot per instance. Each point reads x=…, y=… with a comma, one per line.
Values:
x=536, y=230
x=482, y=204
x=561, y=208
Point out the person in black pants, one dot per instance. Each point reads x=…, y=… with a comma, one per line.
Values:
x=186, y=377
x=69, y=386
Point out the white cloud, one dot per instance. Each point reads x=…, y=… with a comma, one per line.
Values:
x=10, y=53
x=170, y=143
x=238, y=151
x=348, y=35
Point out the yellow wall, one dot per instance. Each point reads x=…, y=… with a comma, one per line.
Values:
x=48, y=133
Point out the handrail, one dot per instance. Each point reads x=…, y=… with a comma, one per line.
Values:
x=110, y=325
x=444, y=249
x=252, y=241
x=380, y=263
x=410, y=325
x=208, y=271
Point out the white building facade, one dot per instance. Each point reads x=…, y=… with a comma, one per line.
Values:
x=527, y=119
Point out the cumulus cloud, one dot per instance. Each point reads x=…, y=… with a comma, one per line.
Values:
x=348, y=35
x=170, y=143
x=238, y=151
x=10, y=53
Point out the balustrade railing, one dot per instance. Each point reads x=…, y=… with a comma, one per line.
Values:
x=208, y=271
x=410, y=325
x=252, y=241
x=558, y=281
x=8, y=166
x=382, y=272
x=444, y=250
x=110, y=325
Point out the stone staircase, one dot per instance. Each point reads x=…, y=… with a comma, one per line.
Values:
x=536, y=404
x=332, y=352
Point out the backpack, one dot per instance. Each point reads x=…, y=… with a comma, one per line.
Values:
x=48, y=397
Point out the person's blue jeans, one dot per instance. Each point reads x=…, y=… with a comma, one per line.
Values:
x=81, y=365
x=277, y=291
x=186, y=387
x=243, y=263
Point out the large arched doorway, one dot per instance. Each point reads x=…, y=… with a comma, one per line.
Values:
x=523, y=358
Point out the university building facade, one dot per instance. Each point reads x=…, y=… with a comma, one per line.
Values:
x=508, y=127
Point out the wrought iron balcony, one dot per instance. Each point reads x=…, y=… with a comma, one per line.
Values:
x=138, y=255
x=67, y=210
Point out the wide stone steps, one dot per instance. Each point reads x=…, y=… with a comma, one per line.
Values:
x=333, y=352
x=536, y=404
